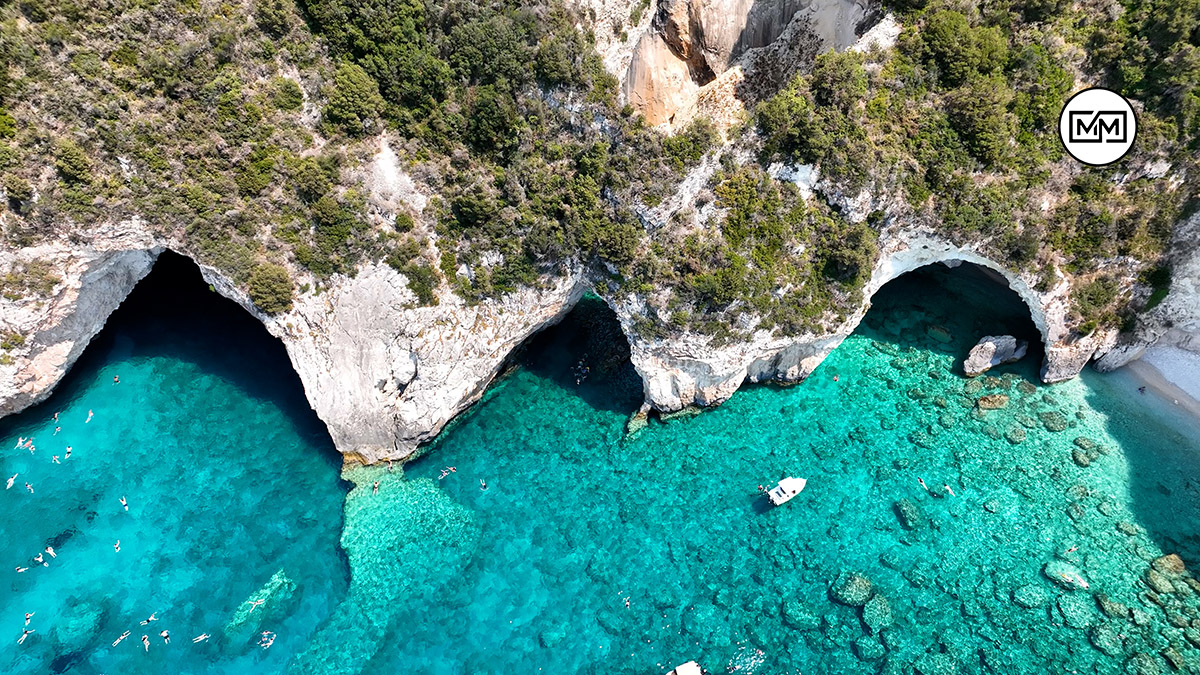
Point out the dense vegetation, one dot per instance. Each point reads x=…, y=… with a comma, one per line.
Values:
x=959, y=125
x=245, y=135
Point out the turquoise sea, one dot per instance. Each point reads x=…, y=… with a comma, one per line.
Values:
x=1035, y=547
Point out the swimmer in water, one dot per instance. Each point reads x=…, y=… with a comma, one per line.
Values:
x=54, y=458
x=166, y=636
x=117, y=546
x=10, y=481
x=923, y=485
x=29, y=487
x=41, y=560
x=146, y=642
x=949, y=490
x=89, y=419
x=200, y=638
x=835, y=378
x=68, y=455
x=116, y=379
x=1141, y=390
x=21, y=569
x=55, y=417
x=20, y=442
x=375, y=488
x=50, y=550
x=24, y=634
x=254, y=605
x=124, y=503
x=28, y=616
x=1071, y=550
x=118, y=640
x=482, y=484
x=56, y=430
x=153, y=617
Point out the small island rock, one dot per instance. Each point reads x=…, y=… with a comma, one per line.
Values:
x=992, y=351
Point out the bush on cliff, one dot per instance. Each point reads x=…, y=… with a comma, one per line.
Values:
x=271, y=288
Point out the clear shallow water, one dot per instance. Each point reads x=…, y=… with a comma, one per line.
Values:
x=577, y=518
x=229, y=479
x=532, y=574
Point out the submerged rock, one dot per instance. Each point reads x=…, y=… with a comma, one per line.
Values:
x=877, y=613
x=1076, y=610
x=1030, y=596
x=1111, y=608
x=992, y=351
x=1159, y=582
x=800, y=616
x=851, y=588
x=1015, y=435
x=992, y=401
x=1081, y=458
x=1170, y=565
x=1053, y=421
x=939, y=333
x=935, y=664
x=1107, y=640
x=909, y=513
x=869, y=648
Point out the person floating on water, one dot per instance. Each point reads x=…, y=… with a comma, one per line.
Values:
x=153, y=617
x=1071, y=550
x=166, y=636
x=949, y=490
x=482, y=484
x=118, y=640
x=24, y=634
x=10, y=481
x=50, y=550
x=254, y=605
x=268, y=639
x=20, y=442
x=200, y=638
x=55, y=417
x=835, y=378
x=89, y=419
x=116, y=379
x=375, y=488
x=56, y=430
x=146, y=642
x=922, y=482
x=28, y=616
x=68, y=455
x=21, y=569
x=54, y=458
x=41, y=560
x=1141, y=390
x=117, y=546
x=29, y=487
x=124, y=503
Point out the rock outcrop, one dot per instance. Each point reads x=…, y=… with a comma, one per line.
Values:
x=95, y=272
x=992, y=351
x=698, y=48
x=689, y=370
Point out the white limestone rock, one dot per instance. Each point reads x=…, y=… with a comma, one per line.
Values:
x=992, y=351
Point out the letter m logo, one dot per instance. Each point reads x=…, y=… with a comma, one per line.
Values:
x=1097, y=126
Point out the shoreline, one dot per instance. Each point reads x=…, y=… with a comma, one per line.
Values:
x=1173, y=375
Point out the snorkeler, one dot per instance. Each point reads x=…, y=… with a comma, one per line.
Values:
x=41, y=560
x=153, y=617
x=166, y=636
x=10, y=481
x=24, y=634
x=124, y=503
x=482, y=484
x=118, y=640
x=200, y=638
x=50, y=550
x=146, y=642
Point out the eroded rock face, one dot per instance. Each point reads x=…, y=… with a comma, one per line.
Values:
x=992, y=351
x=385, y=375
x=680, y=62
x=688, y=370
x=95, y=275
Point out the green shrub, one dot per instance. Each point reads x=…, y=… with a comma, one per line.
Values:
x=959, y=50
x=286, y=94
x=8, y=125
x=274, y=17
x=839, y=80
x=354, y=100
x=688, y=146
x=979, y=113
x=310, y=180
x=790, y=126
x=10, y=340
x=271, y=288
x=72, y=164
x=404, y=222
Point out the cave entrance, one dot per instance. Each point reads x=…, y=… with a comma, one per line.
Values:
x=586, y=352
x=949, y=309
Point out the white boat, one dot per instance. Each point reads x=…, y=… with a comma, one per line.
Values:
x=788, y=487
x=689, y=668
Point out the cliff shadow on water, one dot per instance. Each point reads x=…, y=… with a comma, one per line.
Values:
x=173, y=312
x=587, y=353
